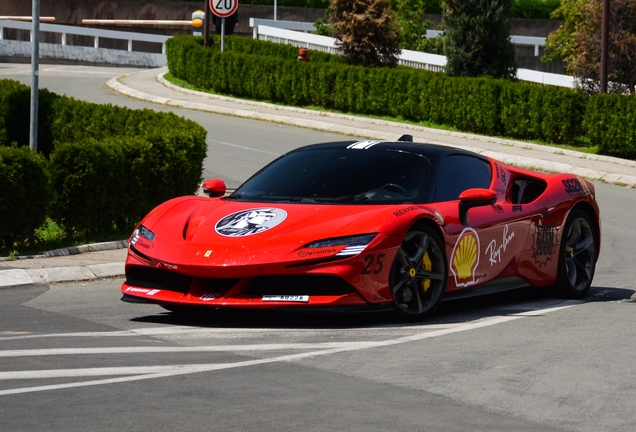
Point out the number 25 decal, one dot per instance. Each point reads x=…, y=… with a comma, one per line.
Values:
x=374, y=264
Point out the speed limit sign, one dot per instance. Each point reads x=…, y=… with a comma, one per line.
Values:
x=223, y=8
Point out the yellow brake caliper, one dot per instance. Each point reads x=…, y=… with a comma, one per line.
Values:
x=427, y=265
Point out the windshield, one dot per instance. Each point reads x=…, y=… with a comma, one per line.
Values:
x=328, y=175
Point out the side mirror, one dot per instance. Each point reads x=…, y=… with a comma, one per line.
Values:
x=474, y=198
x=214, y=188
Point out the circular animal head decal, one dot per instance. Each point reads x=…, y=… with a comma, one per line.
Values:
x=248, y=222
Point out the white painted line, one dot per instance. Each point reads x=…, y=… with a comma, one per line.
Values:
x=177, y=349
x=151, y=372
x=242, y=147
x=183, y=331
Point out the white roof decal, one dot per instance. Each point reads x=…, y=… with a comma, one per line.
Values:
x=363, y=145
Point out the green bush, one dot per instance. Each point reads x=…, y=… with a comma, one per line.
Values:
x=25, y=193
x=610, y=123
x=242, y=45
x=532, y=111
x=113, y=183
x=10, y=90
x=109, y=165
x=480, y=105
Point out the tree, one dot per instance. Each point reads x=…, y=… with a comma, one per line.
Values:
x=366, y=30
x=578, y=42
x=410, y=19
x=477, y=38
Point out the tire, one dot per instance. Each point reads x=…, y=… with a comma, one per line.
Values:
x=577, y=256
x=419, y=274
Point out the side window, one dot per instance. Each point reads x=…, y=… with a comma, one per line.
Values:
x=460, y=172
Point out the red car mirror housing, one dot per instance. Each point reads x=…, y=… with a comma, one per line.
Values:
x=476, y=197
x=214, y=188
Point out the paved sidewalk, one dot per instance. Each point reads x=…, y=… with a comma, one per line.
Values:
x=107, y=259
x=94, y=261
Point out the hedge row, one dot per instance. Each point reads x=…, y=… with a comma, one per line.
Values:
x=239, y=45
x=107, y=165
x=481, y=105
x=610, y=122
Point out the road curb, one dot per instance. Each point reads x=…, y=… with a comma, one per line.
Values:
x=20, y=277
x=73, y=250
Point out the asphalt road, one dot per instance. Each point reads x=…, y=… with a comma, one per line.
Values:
x=73, y=357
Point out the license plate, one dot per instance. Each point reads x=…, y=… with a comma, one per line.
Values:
x=286, y=298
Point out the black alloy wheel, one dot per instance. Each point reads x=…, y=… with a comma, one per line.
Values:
x=419, y=274
x=577, y=256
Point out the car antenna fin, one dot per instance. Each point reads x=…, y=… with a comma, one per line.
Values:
x=406, y=138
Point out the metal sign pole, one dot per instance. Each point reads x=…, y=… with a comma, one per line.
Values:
x=222, y=34
x=35, y=60
x=206, y=24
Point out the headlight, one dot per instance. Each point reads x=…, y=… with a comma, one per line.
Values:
x=144, y=232
x=354, y=244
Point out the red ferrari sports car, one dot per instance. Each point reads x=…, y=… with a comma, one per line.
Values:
x=367, y=224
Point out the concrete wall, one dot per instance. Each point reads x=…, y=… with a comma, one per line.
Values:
x=20, y=52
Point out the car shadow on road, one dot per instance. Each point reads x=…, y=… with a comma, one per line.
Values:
x=450, y=312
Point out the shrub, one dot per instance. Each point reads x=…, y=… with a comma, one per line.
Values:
x=114, y=182
x=109, y=165
x=610, y=123
x=477, y=38
x=24, y=193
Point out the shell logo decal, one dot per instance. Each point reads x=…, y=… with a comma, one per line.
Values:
x=465, y=257
x=249, y=222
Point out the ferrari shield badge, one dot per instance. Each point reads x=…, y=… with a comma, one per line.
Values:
x=249, y=222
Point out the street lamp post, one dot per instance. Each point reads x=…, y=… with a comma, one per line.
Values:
x=35, y=60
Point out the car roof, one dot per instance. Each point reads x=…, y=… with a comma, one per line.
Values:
x=433, y=152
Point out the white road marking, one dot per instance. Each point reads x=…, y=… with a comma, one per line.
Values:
x=241, y=147
x=150, y=349
x=59, y=69
x=151, y=372
x=183, y=331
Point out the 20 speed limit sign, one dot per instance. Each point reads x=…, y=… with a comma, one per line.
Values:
x=223, y=8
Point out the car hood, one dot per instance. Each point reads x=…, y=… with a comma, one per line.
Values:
x=231, y=232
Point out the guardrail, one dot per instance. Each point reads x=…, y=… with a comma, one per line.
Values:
x=289, y=25
x=415, y=59
x=94, y=33
x=93, y=55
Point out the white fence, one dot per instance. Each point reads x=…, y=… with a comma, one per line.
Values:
x=534, y=41
x=415, y=59
x=95, y=54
